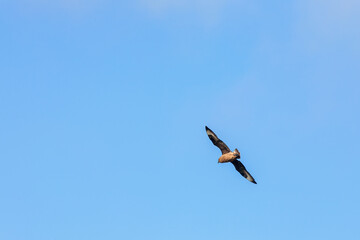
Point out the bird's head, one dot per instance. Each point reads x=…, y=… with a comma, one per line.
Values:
x=236, y=153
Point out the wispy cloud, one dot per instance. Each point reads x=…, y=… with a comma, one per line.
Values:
x=69, y=6
x=166, y=5
x=209, y=11
x=331, y=17
x=323, y=26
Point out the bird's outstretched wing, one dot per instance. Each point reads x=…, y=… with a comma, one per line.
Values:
x=216, y=141
x=242, y=170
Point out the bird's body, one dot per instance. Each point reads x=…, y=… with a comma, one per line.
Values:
x=228, y=156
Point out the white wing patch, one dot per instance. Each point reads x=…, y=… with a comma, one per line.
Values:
x=209, y=133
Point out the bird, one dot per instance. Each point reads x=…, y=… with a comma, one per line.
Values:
x=229, y=156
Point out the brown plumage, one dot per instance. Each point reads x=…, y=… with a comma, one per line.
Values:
x=228, y=156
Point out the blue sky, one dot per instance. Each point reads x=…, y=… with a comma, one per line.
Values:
x=103, y=106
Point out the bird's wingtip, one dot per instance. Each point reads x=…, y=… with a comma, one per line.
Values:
x=206, y=128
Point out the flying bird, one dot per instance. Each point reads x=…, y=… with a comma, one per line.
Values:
x=229, y=156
